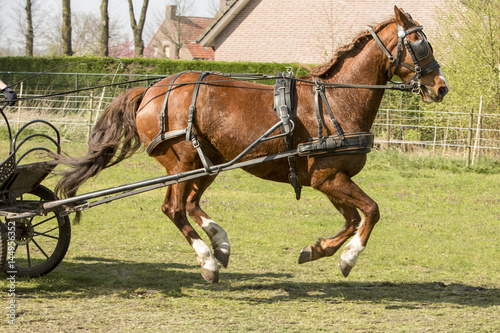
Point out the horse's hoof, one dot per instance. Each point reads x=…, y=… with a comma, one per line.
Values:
x=306, y=254
x=210, y=276
x=222, y=257
x=345, y=268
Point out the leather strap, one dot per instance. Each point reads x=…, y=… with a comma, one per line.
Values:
x=353, y=143
x=161, y=136
x=192, y=107
x=284, y=90
x=319, y=92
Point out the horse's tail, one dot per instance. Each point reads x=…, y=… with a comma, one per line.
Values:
x=113, y=139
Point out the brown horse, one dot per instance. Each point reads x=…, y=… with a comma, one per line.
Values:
x=231, y=114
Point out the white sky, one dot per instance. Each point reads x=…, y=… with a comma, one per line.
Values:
x=118, y=10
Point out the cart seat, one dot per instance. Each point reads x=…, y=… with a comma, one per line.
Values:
x=24, y=178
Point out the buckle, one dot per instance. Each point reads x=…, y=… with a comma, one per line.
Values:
x=416, y=87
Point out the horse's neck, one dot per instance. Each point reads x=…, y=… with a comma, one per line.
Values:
x=358, y=108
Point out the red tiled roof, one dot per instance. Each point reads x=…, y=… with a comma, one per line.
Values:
x=191, y=28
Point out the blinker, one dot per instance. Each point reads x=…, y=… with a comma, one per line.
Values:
x=420, y=48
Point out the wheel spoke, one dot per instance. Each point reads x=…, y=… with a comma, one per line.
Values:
x=46, y=220
x=38, y=246
x=36, y=233
x=28, y=251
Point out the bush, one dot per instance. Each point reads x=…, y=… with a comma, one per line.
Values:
x=87, y=66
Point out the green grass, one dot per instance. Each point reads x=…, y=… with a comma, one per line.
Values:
x=432, y=263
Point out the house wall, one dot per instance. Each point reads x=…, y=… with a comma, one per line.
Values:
x=308, y=31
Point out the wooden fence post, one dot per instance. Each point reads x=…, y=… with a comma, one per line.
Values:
x=478, y=131
x=435, y=136
x=388, y=121
x=469, y=138
x=19, y=104
x=91, y=108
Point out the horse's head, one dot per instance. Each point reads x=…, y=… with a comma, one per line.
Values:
x=411, y=58
x=417, y=63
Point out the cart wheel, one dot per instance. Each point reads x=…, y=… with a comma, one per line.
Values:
x=3, y=244
x=41, y=242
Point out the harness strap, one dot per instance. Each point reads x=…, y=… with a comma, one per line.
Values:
x=283, y=104
x=317, y=107
x=353, y=143
x=161, y=136
x=381, y=45
x=320, y=91
x=192, y=107
x=190, y=136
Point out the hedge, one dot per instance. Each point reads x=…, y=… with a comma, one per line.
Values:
x=110, y=66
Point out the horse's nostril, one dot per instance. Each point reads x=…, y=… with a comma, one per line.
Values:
x=442, y=91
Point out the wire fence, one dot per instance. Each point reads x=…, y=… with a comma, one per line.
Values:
x=471, y=133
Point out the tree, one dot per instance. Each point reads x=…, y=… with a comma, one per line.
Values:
x=66, y=27
x=138, y=27
x=469, y=50
x=103, y=49
x=29, y=17
x=29, y=32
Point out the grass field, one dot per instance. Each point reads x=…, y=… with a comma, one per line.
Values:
x=432, y=263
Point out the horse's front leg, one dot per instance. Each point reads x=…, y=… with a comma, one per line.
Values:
x=348, y=198
x=326, y=247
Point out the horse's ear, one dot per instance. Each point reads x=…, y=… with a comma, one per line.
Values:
x=401, y=17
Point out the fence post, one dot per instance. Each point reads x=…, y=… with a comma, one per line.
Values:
x=478, y=131
x=90, y=114
x=446, y=136
x=469, y=137
x=19, y=107
x=99, y=104
x=388, y=121
x=435, y=136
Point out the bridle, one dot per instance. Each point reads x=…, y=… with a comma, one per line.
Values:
x=418, y=50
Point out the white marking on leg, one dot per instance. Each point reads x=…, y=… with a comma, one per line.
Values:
x=352, y=251
x=204, y=255
x=218, y=236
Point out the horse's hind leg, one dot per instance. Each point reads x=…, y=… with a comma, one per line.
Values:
x=174, y=207
x=218, y=236
x=347, y=197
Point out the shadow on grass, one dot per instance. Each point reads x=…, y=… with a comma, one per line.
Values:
x=405, y=294
x=92, y=277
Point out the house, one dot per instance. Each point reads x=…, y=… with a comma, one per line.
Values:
x=304, y=31
x=176, y=38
